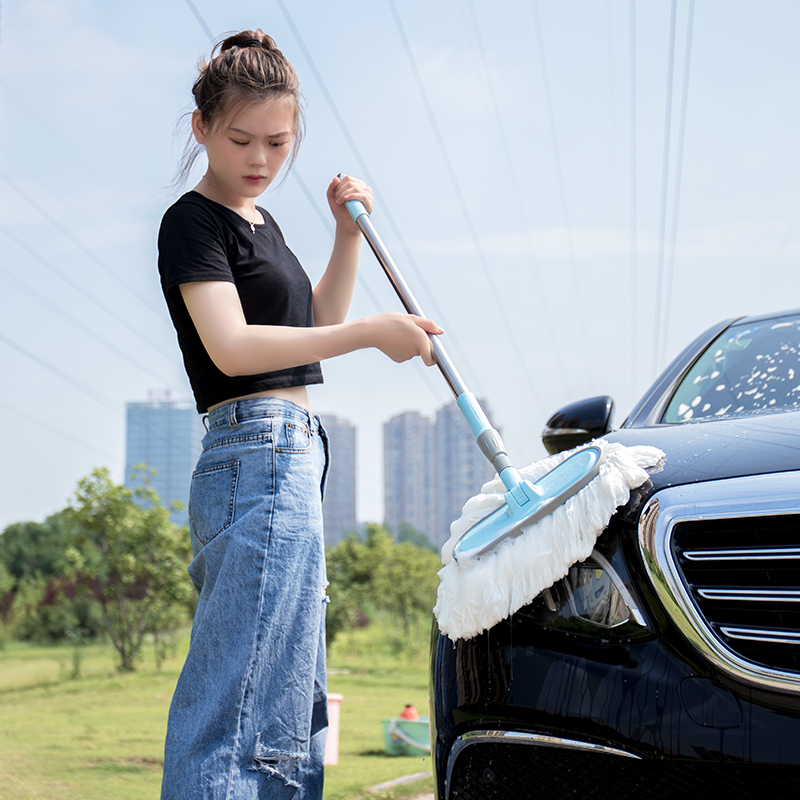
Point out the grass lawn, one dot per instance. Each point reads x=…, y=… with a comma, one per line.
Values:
x=100, y=736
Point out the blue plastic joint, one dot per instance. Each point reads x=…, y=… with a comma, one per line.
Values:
x=470, y=408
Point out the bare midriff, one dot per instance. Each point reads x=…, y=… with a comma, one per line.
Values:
x=294, y=394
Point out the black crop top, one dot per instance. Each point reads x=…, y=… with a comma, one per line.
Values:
x=200, y=240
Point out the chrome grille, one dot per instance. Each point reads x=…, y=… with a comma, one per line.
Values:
x=724, y=559
x=744, y=576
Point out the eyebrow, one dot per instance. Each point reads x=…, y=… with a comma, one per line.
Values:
x=269, y=135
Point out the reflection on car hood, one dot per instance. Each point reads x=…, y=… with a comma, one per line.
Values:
x=728, y=448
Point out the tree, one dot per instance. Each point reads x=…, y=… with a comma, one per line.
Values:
x=375, y=573
x=406, y=583
x=6, y=601
x=406, y=532
x=37, y=601
x=28, y=549
x=130, y=557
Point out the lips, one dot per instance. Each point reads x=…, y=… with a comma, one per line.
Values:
x=255, y=178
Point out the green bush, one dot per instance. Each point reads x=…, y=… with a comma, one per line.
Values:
x=377, y=582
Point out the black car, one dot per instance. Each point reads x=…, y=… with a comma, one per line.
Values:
x=668, y=663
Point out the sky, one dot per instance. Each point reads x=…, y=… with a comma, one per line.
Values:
x=573, y=190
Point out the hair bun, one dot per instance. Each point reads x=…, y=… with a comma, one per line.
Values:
x=245, y=39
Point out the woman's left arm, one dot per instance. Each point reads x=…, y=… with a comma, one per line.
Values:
x=333, y=293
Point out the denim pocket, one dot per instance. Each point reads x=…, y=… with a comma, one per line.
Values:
x=212, y=499
x=292, y=437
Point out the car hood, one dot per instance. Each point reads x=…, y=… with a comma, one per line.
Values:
x=727, y=448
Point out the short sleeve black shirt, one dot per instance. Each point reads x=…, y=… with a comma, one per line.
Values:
x=200, y=240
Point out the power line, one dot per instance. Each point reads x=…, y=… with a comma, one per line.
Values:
x=9, y=277
x=81, y=387
x=664, y=186
x=198, y=16
x=774, y=269
x=560, y=179
x=326, y=222
x=325, y=219
x=505, y=149
x=438, y=313
x=670, y=271
x=511, y=335
x=633, y=279
x=81, y=246
x=57, y=136
x=90, y=297
x=51, y=429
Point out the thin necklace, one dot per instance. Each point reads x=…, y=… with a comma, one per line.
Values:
x=229, y=204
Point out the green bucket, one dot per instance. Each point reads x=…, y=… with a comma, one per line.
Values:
x=406, y=737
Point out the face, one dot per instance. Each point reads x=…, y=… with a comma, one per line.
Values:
x=247, y=148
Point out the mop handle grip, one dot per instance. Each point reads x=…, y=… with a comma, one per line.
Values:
x=361, y=217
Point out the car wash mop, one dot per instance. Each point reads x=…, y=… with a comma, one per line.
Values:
x=527, y=527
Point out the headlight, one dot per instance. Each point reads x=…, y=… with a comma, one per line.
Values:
x=589, y=593
x=592, y=600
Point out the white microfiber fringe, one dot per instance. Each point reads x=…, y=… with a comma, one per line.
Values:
x=473, y=597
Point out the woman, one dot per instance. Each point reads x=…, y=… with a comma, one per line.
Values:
x=249, y=714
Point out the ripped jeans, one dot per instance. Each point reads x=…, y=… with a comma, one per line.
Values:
x=249, y=716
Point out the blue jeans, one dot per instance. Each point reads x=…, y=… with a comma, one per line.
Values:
x=249, y=716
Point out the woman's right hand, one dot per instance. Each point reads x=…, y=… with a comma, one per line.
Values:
x=402, y=336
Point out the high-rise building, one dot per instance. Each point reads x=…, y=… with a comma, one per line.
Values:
x=430, y=470
x=407, y=472
x=339, y=505
x=166, y=436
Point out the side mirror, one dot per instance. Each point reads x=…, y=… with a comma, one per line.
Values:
x=577, y=424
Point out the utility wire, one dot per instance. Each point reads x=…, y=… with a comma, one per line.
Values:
x=58, y=137
x=438, y=313
x=199, y=17
x=560, y=178
x=326, y=221
x=81, y=246
x=511, y=334
x=90, y=297
x=670, y=270
x=519, y=204
x=81, y=387
x=634, y=246
x=51, y=429
x=664, y=187
x=38, y=297
x=766, y=284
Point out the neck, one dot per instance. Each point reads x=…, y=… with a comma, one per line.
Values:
x=213, y=192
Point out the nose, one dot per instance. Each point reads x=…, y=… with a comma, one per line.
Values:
x=258, y=156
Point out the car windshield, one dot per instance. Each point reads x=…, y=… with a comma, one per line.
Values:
x=749, y=369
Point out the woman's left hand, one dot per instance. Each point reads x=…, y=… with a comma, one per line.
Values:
x=343, y=188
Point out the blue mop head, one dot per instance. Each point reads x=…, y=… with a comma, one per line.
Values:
x=476, y=595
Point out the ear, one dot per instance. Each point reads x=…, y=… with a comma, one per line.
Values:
x=198, y=129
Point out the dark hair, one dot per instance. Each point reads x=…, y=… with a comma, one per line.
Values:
x=244, y=68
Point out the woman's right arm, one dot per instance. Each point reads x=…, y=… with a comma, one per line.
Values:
x=237, y=348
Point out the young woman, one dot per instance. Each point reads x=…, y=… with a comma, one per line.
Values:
x=249, y=714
